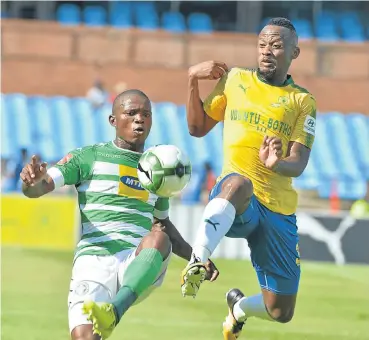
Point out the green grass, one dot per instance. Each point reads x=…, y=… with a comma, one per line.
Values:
x=332, y=305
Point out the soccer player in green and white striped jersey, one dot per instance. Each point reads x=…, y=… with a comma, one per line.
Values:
x=127, y=238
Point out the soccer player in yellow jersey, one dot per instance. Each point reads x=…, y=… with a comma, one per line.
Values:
x=269, y=127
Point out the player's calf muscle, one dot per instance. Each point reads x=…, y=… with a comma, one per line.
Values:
x=280, y=307
x=237, y=190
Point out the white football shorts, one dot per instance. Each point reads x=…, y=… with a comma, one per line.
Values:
x=98, y=278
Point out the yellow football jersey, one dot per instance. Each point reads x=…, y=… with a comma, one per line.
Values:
x=251, y=109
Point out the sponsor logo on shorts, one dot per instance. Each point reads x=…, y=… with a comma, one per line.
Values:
x=298, y=254
x=131, y=182
x=82, y=288
x=309, y=125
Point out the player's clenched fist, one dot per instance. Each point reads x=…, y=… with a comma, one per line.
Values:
x=271, y=151
x=208, y=70
x=33, y=172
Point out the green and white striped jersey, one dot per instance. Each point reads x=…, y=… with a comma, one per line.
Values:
x=116, y=211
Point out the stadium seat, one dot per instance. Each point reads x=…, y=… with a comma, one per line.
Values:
x=198, y=148
x=175, y=125
x=349, y=190
x=7, y=126
x=303, y=28
x=173, y=22
x=43, y=126
x=326, y=163
x=84, y=120
x=66, y=135
x=359, y=124
x=120, y=14
x=214, y=145
x=199, y=23
x=68, y=14
x=326, y=27
x=16, y=107
x=94, y=15
x=341, y=145
x=105, y=131
x=351, y=27
x=146, y=15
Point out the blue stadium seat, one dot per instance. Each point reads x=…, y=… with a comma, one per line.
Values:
x=358, y=125
x=326, y=163
x=192, y=193
x=214, y=145
x=174, y=124
x=84, y=118
x=68, y=14
x=173, y=21
x=326, y=26
x=303, y=28
x=7, y=128
x=200, y=23
x=310, y=178
x=16, y=107
x=199, y=149
x=120, y=14
x=341, y=145
x=105, y=132
x=94, y=15
x=146, y=15
x=65, y=126
x=351, y=27
x=43, y=128
x=349, y=190
x=158, y=133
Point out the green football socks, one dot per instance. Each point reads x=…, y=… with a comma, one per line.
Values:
x=139, y=276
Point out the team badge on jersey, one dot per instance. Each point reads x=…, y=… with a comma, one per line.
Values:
x=65, y=159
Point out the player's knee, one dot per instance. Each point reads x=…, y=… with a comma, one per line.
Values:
x=282, y=315
x=84, y=332
x=159, y=240
x=238, y=190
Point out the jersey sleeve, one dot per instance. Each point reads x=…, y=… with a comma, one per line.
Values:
x=215, y=104
x=73, y=168
x=304, y=130
x=161, y=209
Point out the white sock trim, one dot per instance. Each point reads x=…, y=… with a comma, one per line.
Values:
x=251, y=306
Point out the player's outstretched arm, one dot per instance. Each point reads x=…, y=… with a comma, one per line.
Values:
x=36, y=181
x=181, y=248
x=199, y=123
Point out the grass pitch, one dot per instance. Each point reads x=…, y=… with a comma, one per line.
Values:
x=332, y=305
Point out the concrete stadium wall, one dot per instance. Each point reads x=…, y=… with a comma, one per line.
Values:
x=46, y=58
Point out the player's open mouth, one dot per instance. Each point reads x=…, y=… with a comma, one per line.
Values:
x=139, y=130
x=267, y=62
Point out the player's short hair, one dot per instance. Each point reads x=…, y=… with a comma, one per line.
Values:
x=128, y=93
x=282, y=22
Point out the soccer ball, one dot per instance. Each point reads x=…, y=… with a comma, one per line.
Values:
x=164, y=170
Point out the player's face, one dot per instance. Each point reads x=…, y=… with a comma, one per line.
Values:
x=133, y=119
x=276, y=48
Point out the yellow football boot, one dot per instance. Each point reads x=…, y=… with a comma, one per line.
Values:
x=102, y=316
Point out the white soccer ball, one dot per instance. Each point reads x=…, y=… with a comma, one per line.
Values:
x=164, y=170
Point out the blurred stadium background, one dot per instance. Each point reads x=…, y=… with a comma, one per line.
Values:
x=62, y=65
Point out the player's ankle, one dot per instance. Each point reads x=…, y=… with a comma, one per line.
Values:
x=200, y=254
